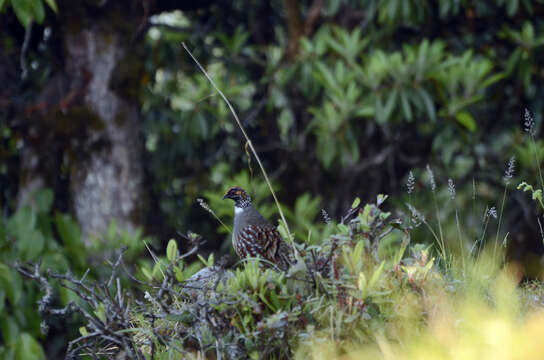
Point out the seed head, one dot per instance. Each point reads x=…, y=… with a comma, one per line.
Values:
x=431, y=178
x=410, y=184
x=510, y=169
x=451, y=188
x=204, y=205
x=529, y=123
x=492, y=212
x=417, y=218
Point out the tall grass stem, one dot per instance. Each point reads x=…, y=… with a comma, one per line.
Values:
x=500, y=220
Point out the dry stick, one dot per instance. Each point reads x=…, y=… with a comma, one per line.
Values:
x=249, y=143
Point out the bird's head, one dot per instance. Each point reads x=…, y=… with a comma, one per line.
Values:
x=237, y=194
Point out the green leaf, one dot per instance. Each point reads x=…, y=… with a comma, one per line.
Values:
x=10, y=330
x=68, y=229
x=358, y=251
x=376, y=276
x=178, y=273
x=513, y=60
x=30, y=245
x=2, y=2
x=53, y=5
x=44, y=200
x=429, y=105
x=384, y=112
x=355, y=203
x=57, y=261
x=406, y=108
x=211, y=260
x=493, y=79
x=38, y=10
x=28, y=348
x=100, y=312
x=146, y=273
x=23, y=220
x=361, y=282
x=464, y=118
x=275, y=300
x=324, y=75
x=201, y=258
x=511, y=7
x=2, y=299
x=344, y=229
x=537, y=195
x=24, y=11
x=285, y=122
x=365, y=111
x=112, y=230
x=11, y=284
x=70, y=234
x=172, y=250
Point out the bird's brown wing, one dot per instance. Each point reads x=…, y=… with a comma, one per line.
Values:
x=265, y=242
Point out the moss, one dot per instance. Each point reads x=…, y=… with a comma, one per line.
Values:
x=74, y=123
x=121, y=117
x=127, y=76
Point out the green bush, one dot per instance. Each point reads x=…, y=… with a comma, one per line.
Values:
x=33, y=235
x=365, y=291
x=29, y=235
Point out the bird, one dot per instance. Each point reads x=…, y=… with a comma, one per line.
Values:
x=255, y=236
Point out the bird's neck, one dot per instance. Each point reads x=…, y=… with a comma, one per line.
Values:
x=241, y=204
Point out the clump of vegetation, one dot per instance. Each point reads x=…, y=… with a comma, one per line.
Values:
x=365, y=291
x=54, y=245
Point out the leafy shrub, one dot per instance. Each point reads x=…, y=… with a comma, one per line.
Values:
x=29, y=235
x=365, y=291
x=54, y=242
x=256, y=311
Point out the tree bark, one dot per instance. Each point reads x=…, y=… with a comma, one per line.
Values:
x=295, y=28
x=106, y=180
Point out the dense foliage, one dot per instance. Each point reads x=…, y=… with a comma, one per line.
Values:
x=368, y=96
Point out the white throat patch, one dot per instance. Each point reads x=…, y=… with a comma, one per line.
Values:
x=238, y=210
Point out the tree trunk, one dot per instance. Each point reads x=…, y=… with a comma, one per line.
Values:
x=106, y=182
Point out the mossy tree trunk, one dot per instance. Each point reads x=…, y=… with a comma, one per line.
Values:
x=106, y=182
x=85, y=123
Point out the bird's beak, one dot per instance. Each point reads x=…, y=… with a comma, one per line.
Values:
x=225, y=196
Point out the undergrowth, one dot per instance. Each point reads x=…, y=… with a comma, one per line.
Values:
x=367, y=291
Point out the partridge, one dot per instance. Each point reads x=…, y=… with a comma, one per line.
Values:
x=253, y=235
